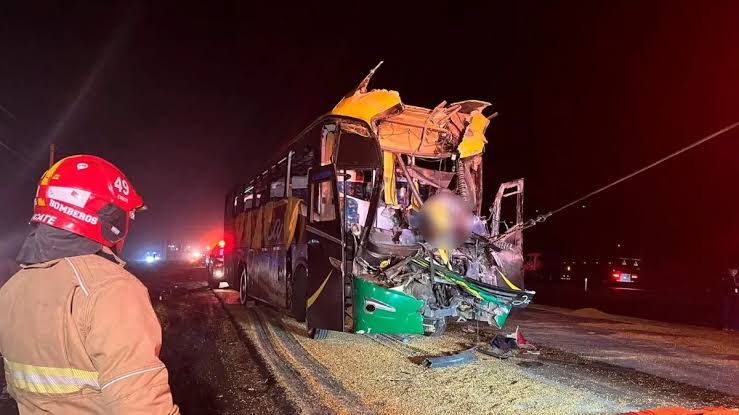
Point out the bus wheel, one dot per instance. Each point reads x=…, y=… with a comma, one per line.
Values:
x=299, y=287
x=243, y=297
x=317, y=334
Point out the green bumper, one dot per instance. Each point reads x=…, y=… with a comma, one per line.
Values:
x=501, y=298
x=379, y=310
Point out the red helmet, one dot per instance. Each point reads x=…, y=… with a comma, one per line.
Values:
x=88, y=196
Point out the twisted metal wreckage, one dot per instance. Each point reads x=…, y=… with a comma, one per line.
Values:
x=425, y=152
x=334, y=237
x=331, y=232
x=482, y=279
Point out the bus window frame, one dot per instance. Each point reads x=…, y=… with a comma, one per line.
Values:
x=342, y=164
x=248, y=195
x=288, y=178
x=261, y=185
x=316, y=206
x=302, y=140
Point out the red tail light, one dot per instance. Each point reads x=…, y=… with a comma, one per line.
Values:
x=634, y=276
x=616, y=275
x=221, y=243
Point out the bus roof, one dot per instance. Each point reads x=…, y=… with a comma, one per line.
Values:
x=418, y=131
x=405, y=129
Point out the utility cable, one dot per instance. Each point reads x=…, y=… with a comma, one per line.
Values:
x=16, y=153
x=541, y=218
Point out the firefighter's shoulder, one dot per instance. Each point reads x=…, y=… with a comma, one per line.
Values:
x=96, y=272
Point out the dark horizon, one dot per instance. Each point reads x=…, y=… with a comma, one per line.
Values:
x=189, y=100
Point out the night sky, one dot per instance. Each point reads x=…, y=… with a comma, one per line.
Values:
x=189, y=100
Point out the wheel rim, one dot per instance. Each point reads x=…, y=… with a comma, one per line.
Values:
x=242, y=287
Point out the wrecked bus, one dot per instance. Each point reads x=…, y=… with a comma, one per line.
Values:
x=329, y=232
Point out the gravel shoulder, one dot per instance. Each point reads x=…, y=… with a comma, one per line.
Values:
x=224, y=358
x=390, y=380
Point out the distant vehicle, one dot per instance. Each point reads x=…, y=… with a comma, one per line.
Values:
x=623, y=271
x=198, y=258
x=603, y=272
x=214, y=261
x=184, y=252
x=617, y=271
x=152, y=257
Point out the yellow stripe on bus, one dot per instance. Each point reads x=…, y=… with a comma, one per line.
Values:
x=318, y=292
x=507, y=281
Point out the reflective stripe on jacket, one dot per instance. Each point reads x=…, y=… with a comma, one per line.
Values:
x=79, y=336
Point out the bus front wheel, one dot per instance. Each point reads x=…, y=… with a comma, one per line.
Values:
x=299, y=285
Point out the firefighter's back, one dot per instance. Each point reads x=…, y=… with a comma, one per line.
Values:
x=65, y=334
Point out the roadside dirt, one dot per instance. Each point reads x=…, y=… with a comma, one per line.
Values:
x=393, y=382
x=553, y=382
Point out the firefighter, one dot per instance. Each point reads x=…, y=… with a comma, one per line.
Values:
x=78, y=334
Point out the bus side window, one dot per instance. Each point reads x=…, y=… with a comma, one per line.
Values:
x=328, y=143
x=325, y=203
x=238, y=203
x=358, y=152
x=306, y=155
x=261, y=192
x=302, y=160
x=300, y=187
x=249, y=198
x=277, y=185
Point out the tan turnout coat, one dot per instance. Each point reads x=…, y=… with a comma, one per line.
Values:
x=78, y=335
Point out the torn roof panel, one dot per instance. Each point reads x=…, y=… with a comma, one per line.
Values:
x=367, y=105
x=406, y=129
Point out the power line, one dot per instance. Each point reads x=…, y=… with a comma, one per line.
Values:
x=16, y=154
x=8, y=113
x=647, y=167
x=545, y=216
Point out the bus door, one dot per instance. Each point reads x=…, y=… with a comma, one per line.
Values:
x=325, y=294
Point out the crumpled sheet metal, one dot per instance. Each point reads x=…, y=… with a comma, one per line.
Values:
x=437, y=362
x=418, y=131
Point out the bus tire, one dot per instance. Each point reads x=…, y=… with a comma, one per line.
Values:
x=243, y=295
x=299, y=287
x=317, y=334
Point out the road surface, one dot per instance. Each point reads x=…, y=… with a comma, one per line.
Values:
x=225, y=358
x=212, y=370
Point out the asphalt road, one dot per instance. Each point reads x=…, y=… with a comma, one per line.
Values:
x=696, y=307
x=224, y=358
x=211, y=369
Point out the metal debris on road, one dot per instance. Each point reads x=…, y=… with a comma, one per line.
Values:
x=437, y=362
